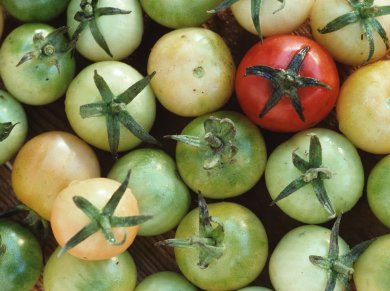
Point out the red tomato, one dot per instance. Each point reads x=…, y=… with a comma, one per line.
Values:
x=254, y=91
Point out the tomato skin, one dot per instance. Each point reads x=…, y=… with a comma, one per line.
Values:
x=67, y=219
x=339, y=156
x=38, y=81
x=378, y=186
x=165, y=281
x=22, y=262
x=122, y=33
x=196, y=84
x=119, y=77
x=12, y=111
x=276, y=52
x=254, y=288
x=245, y=254
x=158, y=188
x=35, y=10
x=48, y=163
x=362, y=109
x=230, y=179
x=372, y=267
x=290, y=267
x=179, y=13
x=67, y=272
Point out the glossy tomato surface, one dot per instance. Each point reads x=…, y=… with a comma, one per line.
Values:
x=277, y=52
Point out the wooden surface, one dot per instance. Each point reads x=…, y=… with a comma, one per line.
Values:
x=357, y=225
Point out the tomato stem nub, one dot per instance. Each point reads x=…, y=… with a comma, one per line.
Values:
x=218, y=141
x=313, y=173
x=114, y=109
x=255, y=12
x=364, y=13
x=339, y=267
x=286, y=82
x=103, y=219
x=209, y=241
x=88, y=18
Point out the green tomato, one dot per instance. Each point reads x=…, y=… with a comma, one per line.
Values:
x=245, y=248
x=165, y=281
x=378, y=186
x=44, y=77
x=290, y=267
x=66, y=272
x=340, y=160
x=373, y=267
x=35, y=10
x=179, y=13
x=119, y=77
x=158, y=188
x=21, y=259
x=12, y=111
x=254, y=288
x=232, y=169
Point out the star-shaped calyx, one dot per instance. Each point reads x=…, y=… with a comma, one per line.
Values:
x=217, y=142
x=114, y=109
x=5, y=129
x=209, y=241
x=50, y=48
x=313, y=173
x=286, y=82
x=88, y=18
x=255, y=12
x=339, y=267
x=103, y=219
x=365, y=13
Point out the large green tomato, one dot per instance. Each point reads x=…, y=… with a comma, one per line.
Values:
x=179, y=13
x=373, y=266
x=66, y=272
x=159, y=190
x=378, y=185
x=47, y=70
x=244, y=243
x=21, y=259
x=12, y=111
x=339, y=173
x=165, y=281
x=225, y=155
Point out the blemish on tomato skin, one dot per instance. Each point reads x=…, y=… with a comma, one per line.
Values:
x=198, y=72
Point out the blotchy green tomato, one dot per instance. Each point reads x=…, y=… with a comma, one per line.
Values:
x=12, y=111
x=245, y=248
x=378, y=190
x=290, y=267
x=66, y=272
x=179, y=13
x=373, y=266
x=20, y=257
x=40, y=80
x=339, y=158
x=35, y=10
x=157, y=187
x=229, y=178
x=165, y=281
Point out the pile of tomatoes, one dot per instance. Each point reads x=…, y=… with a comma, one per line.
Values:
x=244, y=134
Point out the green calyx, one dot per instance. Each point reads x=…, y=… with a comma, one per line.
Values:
x=113, y=108
x=255, y=11
x=49, y=48
x=365, y=13
x=217, y=142
x=312, y=173
x=3, y=247
x=103, y=219
x=88, y=16
x=209, y=241
x=339, y=267
x=5, y=129
x=286, y=82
